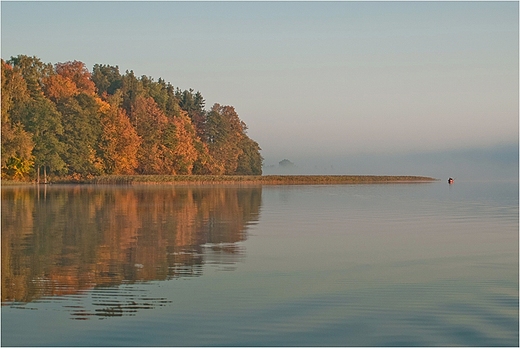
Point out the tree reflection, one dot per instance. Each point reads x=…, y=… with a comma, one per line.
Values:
x=60, y=240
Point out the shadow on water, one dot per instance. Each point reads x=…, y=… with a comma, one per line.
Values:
x=64, y=241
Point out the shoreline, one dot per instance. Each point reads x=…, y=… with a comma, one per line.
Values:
x=239, y=179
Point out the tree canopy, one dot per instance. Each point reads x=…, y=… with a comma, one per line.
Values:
x=65, y=121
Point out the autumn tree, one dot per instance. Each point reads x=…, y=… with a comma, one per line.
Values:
x=78, y=73
x=184, y=152
x=224, y=132
x=74, y=95
x=59, y=88
x=39, y=115
x=119, y=140
x=17, y=144
x=150, y=123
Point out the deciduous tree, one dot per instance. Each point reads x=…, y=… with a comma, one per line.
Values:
x=78, y=73
x=224, y=132
x=250, y=160
x=17, y=145
x=82, y=135
x=120, y=141
x=150, y=123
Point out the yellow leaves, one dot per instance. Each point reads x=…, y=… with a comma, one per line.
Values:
x=185, y=152
x=96, y=161
x=104, y=107
x=17, y=168
x=120, y=142
x=17, y=146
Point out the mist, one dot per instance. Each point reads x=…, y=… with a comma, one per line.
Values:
x=497, y=163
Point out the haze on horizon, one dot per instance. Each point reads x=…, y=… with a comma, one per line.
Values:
x=419, y=88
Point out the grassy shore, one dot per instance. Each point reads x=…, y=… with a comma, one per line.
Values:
x=252, y=179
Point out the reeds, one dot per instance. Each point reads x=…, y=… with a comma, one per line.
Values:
x=253, y=179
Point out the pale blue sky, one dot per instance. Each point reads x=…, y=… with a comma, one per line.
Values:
x=316, y=82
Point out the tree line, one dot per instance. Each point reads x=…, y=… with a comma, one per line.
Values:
x=64, y=121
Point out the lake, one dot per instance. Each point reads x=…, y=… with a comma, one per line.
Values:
x=427, y=264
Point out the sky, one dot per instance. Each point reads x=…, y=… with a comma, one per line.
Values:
x=418, y=88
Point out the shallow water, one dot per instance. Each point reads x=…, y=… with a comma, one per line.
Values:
x=349, y=265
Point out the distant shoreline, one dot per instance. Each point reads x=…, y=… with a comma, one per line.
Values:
x=241, y=179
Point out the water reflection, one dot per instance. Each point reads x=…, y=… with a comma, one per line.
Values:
x=62, y=240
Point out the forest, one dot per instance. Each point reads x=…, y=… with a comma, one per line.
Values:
x=63, y=121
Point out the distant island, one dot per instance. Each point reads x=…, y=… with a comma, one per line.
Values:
x=285, y=163
x=62, y=121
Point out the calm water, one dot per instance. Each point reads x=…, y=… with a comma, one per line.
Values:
x=350, y=265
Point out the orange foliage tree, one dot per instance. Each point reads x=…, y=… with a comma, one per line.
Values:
x=120, y=142
x=150, y=123
x=57, y=88
x=184, y=151
x=78, y=73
